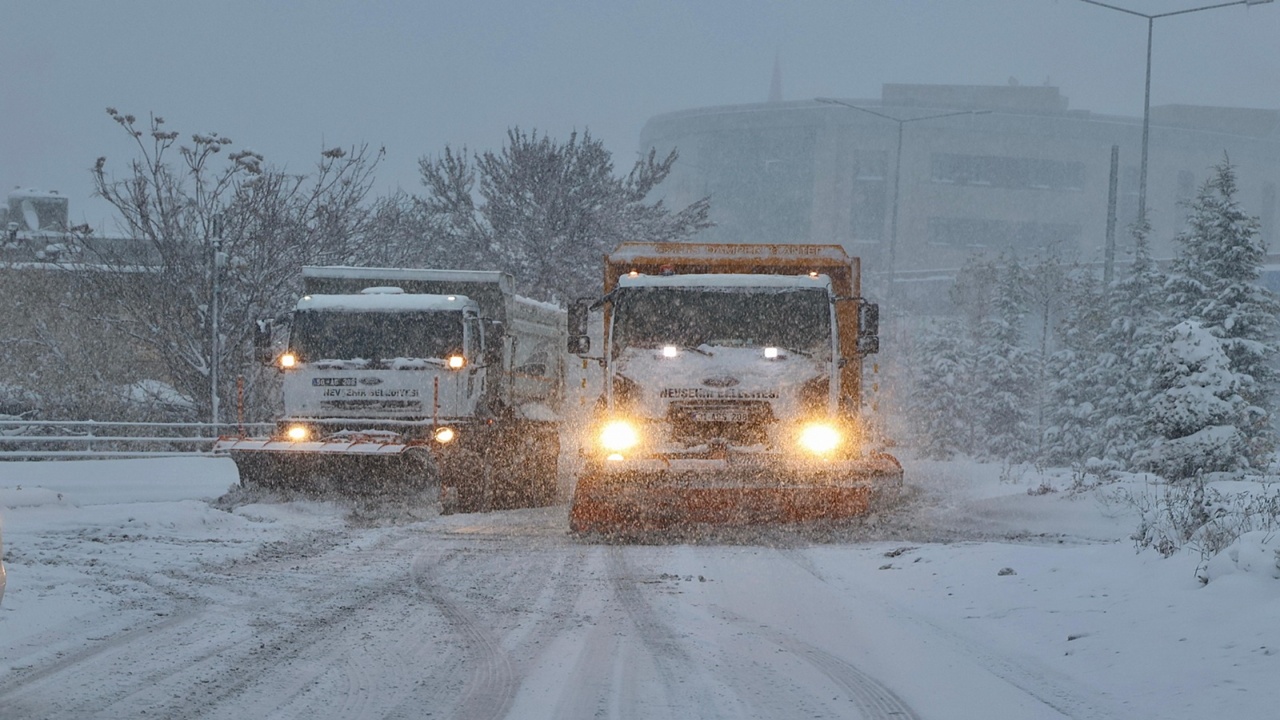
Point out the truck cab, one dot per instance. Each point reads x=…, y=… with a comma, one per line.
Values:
x=383, y=354
x=732, y=389
x=710, y=362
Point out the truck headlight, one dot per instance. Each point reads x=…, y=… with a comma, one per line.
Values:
x=819, y=438
x=445, y=435
x=298, y=433
x=456, y=362
x=288, y=360
x=619, y=435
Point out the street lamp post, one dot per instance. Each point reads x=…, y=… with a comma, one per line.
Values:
x=897, y=172
x=1146, y=97
x=219, y=259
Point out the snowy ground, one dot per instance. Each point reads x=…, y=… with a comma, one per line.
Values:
x=134, y=593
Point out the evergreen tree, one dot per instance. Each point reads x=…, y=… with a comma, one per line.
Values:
x=1081, y=371
x=1196, y=410
x=1131, y=342
x=1005, y=379
x=1215, y=282
x=942, y=418
x=1046, y=284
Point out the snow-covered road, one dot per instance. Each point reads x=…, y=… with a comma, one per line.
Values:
x=975, y=600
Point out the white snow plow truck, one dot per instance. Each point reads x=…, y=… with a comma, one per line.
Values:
x=732, y=389
x=398, y=378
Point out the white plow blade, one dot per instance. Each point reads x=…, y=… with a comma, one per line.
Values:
x=346, y=447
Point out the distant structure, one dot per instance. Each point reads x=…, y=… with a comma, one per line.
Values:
x=34, y=211
x=775, y=85
x=1028, y=175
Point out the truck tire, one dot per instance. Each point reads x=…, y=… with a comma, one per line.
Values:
x=464, y=482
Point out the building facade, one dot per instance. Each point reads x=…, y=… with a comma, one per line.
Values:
x=957, y=170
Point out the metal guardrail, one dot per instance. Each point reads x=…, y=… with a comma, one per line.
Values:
x=89, y=439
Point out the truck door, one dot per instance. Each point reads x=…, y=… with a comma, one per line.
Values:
x=473, y=337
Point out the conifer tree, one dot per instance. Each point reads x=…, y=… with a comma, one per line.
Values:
x=1005, y=381
x=1131, y=342
x=1215, y=282
x=1080, y=371
x=1196, y=409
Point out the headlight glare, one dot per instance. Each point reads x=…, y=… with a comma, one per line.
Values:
x=298, y=433
x=619, y=435
x=819, y=438
x=288, y=360
x=445, y=435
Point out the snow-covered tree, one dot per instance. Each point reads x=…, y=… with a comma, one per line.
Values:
x=1080, y=372
x=1215, y=281
x=1130, y=345
x=1005, y=382
x=547, y=211
x=943, y=421
x=972, y=376
x=1046, y=284
x=155, y=287
x=1196, y=410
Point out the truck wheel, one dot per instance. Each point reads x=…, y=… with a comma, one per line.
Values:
x=546, y=469
x=464, y=482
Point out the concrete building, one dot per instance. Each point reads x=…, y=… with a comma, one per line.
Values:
x=1027, y=174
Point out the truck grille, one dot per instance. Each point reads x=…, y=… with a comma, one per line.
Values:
x=736, y=422
x=372, y=404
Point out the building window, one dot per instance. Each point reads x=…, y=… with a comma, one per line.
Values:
x=1006, y=172
x=869, y=195
x=999, y=234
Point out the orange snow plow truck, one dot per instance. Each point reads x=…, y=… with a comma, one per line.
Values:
x=732, y=389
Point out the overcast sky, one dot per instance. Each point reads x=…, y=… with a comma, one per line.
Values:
x=289, y=77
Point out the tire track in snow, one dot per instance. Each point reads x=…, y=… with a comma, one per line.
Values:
x=491, y=688
x=1038, y=681
x=874, y=699
x=672, y=661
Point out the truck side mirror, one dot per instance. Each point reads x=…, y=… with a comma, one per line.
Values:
x=579, y=341
x=262, y=349
x=868, y=328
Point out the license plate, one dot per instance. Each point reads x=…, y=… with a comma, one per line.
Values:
x=733, y=415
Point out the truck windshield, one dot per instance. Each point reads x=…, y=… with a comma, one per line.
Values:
x=375, y=335
x=797, y=320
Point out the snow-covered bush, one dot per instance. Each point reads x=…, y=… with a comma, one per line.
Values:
x=1206, y=515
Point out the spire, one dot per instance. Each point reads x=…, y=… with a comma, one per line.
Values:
x=775, y=87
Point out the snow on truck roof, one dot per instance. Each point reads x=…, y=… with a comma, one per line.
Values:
x=726, y=281
x=385, y=302
x=376, y=273
x=634, y=251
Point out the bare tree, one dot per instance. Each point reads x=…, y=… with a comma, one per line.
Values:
x=207, y=211
x=548, y=211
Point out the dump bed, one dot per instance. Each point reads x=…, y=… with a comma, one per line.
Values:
x=493, y=291
x=695, y=258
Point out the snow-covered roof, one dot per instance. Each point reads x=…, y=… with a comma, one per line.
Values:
x=380, y=274
x=21, y=193
x=385, y=302
x=726, y=280
x=632, y=251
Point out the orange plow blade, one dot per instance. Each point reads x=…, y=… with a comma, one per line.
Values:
x=607, y=511
x=623, y=505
